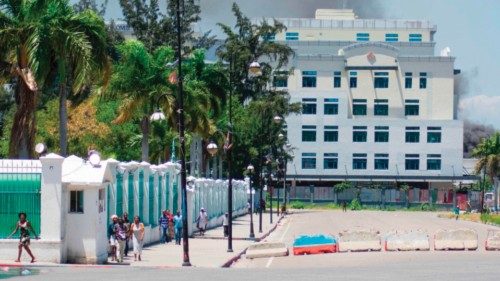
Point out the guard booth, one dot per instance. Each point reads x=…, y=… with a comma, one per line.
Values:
x=85, y=209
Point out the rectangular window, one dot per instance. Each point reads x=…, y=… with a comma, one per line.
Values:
x=270, y=37
x=412, y=108
x=381, y=80
x=359, y=161
x=381, y=161
x=280, y=79
x=381, y=107
x=76, y=201
x=291, y=36
x=415, y=37
x=412, y=134
x=308, y=106
x=358, y=107
x=412, y=162
x=423, y=80
x=391, y=37
x=433, y=162
x=331, y=106
x=353, y=79
x=408, y=80
x=381, y=134
x=337, y=77
x=359, y=134
x=433, y=134
x=309, y=79
x=331, y=134
x=308, y=133
x=308, y=160
x=330, y=161
x=362, y=37
x=102, y=202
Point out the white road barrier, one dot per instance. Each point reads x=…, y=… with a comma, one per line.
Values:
x=359, y=241
x=455, y=239
x=493, y=240
x=407, y=241
x=266, y=250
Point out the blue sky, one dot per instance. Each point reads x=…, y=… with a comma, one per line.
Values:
x=471, y=28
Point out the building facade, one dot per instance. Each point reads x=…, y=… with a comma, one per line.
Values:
x=378, y=108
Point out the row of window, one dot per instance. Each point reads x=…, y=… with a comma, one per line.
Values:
x=380, y=81
x=359, y=107
x=360, y=134
x=380, y=161
x=360, y=37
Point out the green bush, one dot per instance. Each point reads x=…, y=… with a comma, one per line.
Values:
x=297, y=205
x=489, y=218
x=355, y=205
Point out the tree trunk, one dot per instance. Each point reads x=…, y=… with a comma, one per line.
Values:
x=145, y=138
x=63, y=119
x=22, y=136
x=495, y=192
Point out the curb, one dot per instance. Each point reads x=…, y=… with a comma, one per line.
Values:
x=34, y=265
x=234, y=259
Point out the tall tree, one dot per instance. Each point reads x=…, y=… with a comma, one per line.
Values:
x=488, y=153
x=42, y=40
x=156, y=28
x=83, y=5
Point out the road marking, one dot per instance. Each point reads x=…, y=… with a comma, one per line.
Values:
x=270, y=261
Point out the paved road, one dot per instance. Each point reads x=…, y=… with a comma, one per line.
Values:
x=332, y=222
x=473, y=265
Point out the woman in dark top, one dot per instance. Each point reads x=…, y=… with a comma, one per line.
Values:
x=24, y=239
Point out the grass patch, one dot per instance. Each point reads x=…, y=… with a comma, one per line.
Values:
x=490, y=218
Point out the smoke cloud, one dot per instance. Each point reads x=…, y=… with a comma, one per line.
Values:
x=215, y=11
x=474, y=133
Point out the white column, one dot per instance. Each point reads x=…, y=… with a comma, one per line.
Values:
x=52, y=201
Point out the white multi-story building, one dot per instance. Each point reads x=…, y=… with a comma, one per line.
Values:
x=377, y=105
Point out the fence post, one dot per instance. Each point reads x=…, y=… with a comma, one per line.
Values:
x=52, y=201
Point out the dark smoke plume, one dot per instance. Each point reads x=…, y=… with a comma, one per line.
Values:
x=474, y=133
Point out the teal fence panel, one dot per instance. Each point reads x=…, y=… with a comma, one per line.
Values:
x=141, y=195
x=151, y=199
x=175, y=203
x=167, y=192
x=131, y=196
x=160, y=193
x=119, y=194
x=19, y=192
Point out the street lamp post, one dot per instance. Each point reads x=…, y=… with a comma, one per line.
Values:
x=277, y=120
x=250, y=170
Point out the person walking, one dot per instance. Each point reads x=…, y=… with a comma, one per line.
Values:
x=121, y=231
x=126, y=221
x=178, y=227
x=111, y=234
x=456, y=211
x=163, y=222
x=225, y=224
x=25, y=227
x=137, y=230
x=344, y=206
x=171, y=232
x=202, y=221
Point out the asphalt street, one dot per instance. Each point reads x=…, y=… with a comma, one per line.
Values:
x=456, y=265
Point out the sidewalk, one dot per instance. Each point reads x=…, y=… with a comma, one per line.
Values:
x=209, y=250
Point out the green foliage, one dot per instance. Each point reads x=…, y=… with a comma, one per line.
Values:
x=404, y=187
x=488, y=152
x=355, y=205
x=297, y=205
x=490, y=218
x=342, y=186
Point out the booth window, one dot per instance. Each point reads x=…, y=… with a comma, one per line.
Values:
x=76, y=201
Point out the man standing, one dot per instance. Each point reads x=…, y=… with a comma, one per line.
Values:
x=126, y=221
x=121, y=231
x=163, y=222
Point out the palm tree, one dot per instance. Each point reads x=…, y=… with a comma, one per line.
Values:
x=488, y=154
x=42, y=40
x=139, y=79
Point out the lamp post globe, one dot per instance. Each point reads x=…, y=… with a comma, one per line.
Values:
x=281, y=136
x=157, y=116
x=254, y=69
x=277, y=119
x=212, y=148
x=250, y=168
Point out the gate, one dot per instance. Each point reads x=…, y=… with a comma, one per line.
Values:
x=19, y=192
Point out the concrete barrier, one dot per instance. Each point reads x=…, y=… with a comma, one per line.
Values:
x=359, y=241
x=493, y=240
x=455, y=239
x=407, y=241
x=314, y=244
x=266, y=250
